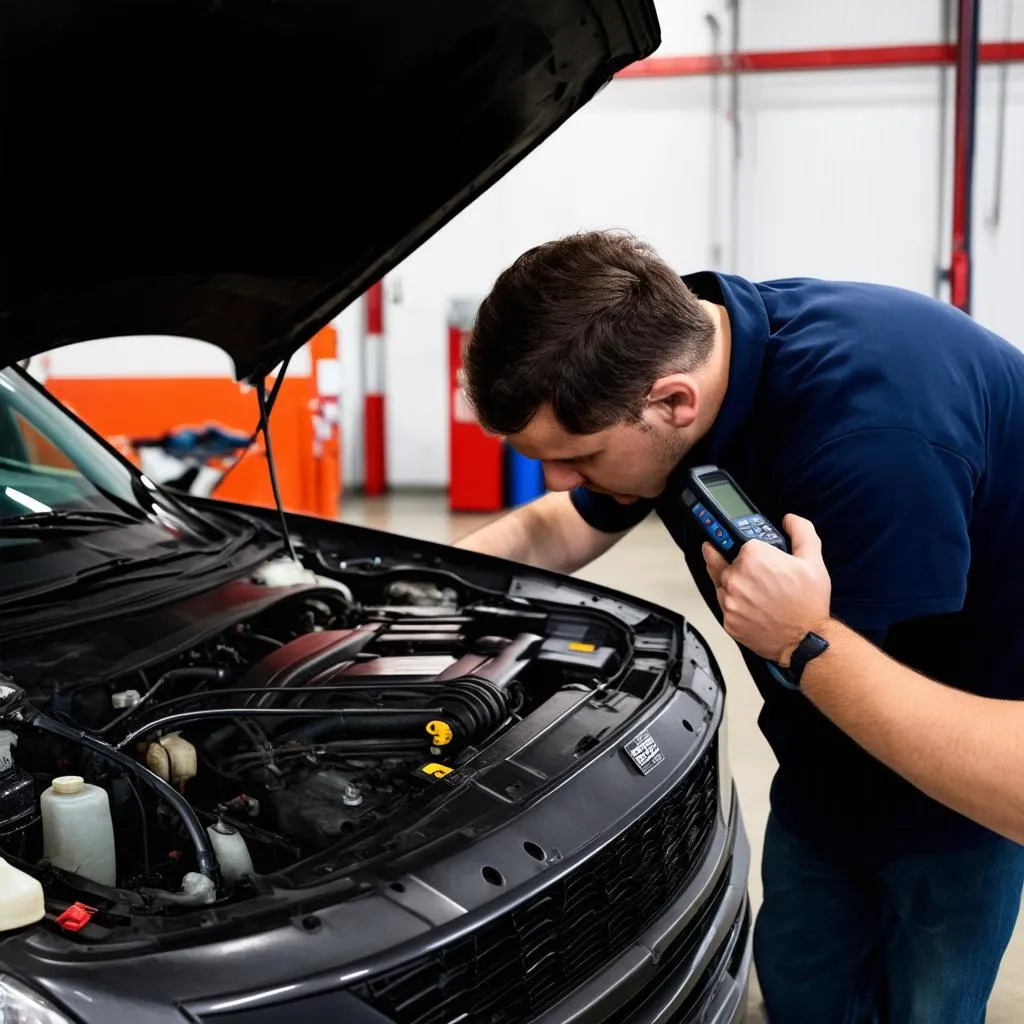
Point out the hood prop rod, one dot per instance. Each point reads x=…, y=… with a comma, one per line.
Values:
x=265, y=407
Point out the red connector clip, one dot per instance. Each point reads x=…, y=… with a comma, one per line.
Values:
x=76, y=917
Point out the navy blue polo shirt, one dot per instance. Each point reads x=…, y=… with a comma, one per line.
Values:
x=895, y=423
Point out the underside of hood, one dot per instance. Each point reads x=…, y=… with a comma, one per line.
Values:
x=240, y=170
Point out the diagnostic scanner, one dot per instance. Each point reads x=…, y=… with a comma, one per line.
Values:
x=726, y=514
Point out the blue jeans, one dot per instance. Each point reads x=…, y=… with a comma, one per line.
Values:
x=917, y=941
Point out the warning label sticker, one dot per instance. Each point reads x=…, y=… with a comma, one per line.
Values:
x=644, y=752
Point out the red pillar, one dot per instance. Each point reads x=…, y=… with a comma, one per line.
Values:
x=374, y=439
x=475, y=459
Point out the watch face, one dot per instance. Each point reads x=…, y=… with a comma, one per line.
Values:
x=812, y=645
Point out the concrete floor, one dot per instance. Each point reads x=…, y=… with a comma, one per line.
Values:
x=647, y=564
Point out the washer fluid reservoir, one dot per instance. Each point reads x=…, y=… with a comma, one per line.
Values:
x=78, y=834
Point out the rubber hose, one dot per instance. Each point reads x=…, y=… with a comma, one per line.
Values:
x=308, y=734
x=175, y=675
x=206, y=860
x=374, y=721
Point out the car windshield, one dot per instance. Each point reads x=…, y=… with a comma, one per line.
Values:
x=47, y=461
x=63, y=491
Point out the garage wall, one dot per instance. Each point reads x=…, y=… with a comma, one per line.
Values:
x=839, y=177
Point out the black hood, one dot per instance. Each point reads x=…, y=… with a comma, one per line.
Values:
x=240, y=170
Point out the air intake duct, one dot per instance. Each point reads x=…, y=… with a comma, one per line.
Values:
x=475, y=705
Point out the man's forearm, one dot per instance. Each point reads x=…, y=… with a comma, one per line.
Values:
x=962, y=750
x=515, y=536
x=548, y=533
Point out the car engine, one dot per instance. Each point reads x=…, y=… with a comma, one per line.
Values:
x=309, y=727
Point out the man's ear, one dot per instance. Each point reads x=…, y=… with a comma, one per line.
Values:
x=675, y=398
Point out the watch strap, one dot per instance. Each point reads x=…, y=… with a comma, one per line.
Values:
x=808, y=649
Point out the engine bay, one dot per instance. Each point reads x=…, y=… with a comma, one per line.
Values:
x=311, y=726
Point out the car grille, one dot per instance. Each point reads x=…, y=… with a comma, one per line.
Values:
x=526, y=960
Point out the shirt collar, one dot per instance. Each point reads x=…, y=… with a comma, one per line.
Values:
x=750, y=330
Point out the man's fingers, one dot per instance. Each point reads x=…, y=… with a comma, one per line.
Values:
x=803, y=538
x=715, y=562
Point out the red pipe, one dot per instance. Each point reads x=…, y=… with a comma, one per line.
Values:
x=374, y=439
x=963, y=153
x=820, y=60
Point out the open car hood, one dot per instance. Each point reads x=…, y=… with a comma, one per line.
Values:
x=240, y=170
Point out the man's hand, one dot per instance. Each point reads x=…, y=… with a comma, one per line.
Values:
x=771, y=600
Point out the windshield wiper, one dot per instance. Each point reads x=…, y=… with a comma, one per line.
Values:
x=65, y=520
x=124, y=569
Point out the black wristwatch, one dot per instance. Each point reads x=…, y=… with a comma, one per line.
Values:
x=809, y=648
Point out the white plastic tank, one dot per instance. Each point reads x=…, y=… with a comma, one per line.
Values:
x=231, y=851
x=21, y=898
x=78, y=834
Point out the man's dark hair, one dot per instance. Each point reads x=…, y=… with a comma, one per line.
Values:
x=586, y=323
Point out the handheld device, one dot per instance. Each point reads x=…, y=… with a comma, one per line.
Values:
x=729, y=519
x=725, y=513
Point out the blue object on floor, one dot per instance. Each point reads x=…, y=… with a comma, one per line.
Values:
x=524, y=478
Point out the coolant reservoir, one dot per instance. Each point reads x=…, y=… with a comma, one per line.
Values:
x=78, y=834
x=21, y=898
x=232, y=853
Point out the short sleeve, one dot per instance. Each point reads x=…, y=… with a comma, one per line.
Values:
x=604, y=513
x=893, y=512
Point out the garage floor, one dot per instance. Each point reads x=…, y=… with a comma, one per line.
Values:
x=647, y=564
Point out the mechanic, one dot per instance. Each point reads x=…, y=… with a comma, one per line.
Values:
x=892, y=421
x=964, y=750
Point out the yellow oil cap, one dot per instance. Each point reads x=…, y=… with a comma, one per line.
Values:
x=440, y=732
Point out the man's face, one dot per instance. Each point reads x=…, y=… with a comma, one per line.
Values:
x=626, y=461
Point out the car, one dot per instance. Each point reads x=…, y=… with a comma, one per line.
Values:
x=257, y=767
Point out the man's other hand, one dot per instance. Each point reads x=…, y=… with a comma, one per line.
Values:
x=769, y=599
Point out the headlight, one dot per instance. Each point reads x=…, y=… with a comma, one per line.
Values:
x=20, y=1006
x=724, y=768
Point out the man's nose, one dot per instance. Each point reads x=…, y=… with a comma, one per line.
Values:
x=560, y=477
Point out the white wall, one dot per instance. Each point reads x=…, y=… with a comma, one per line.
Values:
x=839, y=177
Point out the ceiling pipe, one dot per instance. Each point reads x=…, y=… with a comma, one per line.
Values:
x=932, y=54
x=963, y=153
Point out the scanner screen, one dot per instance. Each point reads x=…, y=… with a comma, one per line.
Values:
x=728, y=498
